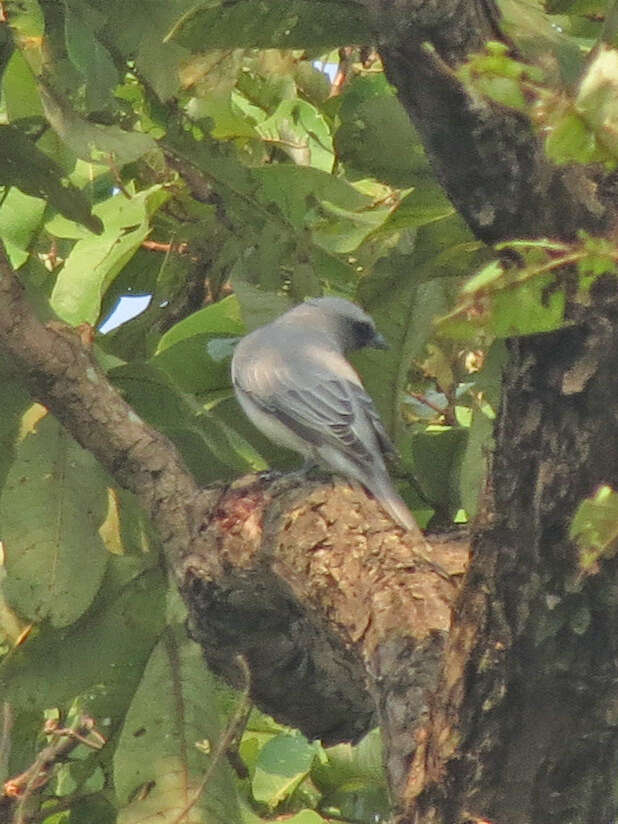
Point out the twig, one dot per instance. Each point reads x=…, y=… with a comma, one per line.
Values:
x=226, y=740
x=5, y=737
x=176, y=248
x=64, y=741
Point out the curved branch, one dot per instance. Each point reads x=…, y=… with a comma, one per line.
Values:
x=325, y=599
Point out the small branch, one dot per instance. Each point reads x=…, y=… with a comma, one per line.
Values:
x=168, y=248
x=64, y=740
x=226, y=739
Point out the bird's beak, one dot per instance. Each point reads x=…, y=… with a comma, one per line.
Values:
x=379, y=342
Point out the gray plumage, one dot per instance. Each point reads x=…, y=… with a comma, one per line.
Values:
x=293, y=381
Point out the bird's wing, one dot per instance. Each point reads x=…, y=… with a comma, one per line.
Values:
x=322, y=401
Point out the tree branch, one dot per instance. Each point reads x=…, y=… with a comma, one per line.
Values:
x=487, y=157
x=327, y=601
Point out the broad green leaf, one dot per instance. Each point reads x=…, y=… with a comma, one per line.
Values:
x=53, y=504
x=90, y=267
x=211, y=449
x=300, y=131
x=25, y=18
x=227, y=120
x=282, y=764
x=597, y=99
x=437, y=460
x=347, y=763
x=88, y=54
x=504, y=304
x=376, y=136
x=20, y=218
x=94, y=262
x=173, y=710
x=353, y=781
x=159, y=64
x=537, y=33
x=222, y=318
x=424, y=204
x=572, y=140
x=404, y=312
x=258, y=307
x=19, y=89
x=23, y=165
x=90, y=808
x=474, y=463
x=595, y=528
x=93, y=141
x=530, y=308
x=191, y=366
x=290, y=188
x=282, y=24
x=101, y=658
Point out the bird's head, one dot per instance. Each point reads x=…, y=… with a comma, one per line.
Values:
x=348, y=323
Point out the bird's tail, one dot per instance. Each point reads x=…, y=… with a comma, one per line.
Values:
x=382, y=488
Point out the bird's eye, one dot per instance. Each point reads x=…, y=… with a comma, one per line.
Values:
x=363, y=332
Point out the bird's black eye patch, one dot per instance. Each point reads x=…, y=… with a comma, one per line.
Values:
x=362, y=332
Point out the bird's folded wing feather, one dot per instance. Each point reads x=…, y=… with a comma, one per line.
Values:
x=321, y=407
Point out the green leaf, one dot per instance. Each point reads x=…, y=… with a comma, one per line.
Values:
x=25, y=166
x=25, y=17
x=93, y=142
x=94, y=262
x=56, y=665
x=306, y=817
x=346, y=763
x=227, y=121
x=405, y=312
x=376, y=136
x=538, y=34
x=258, y=307
x=52, y=507
x=282, y=764
x=158, y=63
x=437, y=460
x=301, y=131
x=530, y=308
x=173, y=710
x=572, y=140
x=19, y=89
x=353, y=782
x=597, y=99
x=211, y=448
x=489, y=275
x=474, y=463
x=88, y=54
x=290, y=188
x=595, y=528
x=221, y=318
x=424, y=204
x=281, y=24
x=20, y=218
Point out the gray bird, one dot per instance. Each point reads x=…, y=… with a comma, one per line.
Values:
x=294, y=383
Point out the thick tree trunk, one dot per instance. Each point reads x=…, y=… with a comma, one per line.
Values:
x=523, y=728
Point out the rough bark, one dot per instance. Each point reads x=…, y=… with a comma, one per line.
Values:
x=523, y=727
x=487, y=157
x=527, y=729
